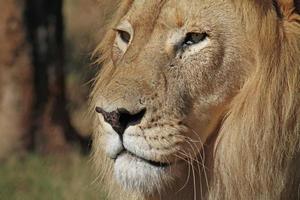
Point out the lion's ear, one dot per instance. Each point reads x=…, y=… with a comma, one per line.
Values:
x=288, y=7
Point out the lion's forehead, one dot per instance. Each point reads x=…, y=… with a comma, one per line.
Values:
x=173, y=12
x=141, y=10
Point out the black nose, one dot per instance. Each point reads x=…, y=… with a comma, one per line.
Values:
x=121, y=119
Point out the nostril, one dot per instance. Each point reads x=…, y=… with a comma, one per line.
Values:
x=112, y=118
x=121, y=118
x=128, y=119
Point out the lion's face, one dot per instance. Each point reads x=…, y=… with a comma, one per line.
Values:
x=173, y=70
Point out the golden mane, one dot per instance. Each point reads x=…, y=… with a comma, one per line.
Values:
x=257, y=152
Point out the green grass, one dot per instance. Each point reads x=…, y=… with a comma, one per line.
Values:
x=35, y=177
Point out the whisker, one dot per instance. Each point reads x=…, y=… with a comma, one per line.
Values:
x=189, y=173
x=203, y=165
x=194, y=182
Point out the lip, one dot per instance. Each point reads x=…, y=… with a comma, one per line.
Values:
x=150, y=162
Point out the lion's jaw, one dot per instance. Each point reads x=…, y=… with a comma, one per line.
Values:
x=184, y=90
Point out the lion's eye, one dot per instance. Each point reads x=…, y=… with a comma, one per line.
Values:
x=194, y=38
x=125, y=36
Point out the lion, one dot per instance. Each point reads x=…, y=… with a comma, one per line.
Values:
x=199, y=99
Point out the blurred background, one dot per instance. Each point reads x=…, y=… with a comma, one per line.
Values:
x=46, y=73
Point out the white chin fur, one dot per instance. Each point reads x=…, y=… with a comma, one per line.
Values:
x=136, y=175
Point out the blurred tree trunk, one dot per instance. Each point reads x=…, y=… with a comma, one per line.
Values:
x=15, y=79
x=52, y=130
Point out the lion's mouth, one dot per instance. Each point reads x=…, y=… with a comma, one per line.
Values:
x=150, y=162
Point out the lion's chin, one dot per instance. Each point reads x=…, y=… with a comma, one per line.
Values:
x=137, y=175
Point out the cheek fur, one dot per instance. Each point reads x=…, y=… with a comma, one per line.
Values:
x=116, y=54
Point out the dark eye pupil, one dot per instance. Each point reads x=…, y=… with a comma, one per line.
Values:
x=124, y=36
x=194, y=38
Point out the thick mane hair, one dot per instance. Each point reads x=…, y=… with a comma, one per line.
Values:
x=257, y=151
x=257, y=155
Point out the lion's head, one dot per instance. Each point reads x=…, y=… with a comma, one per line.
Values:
x=184, y=89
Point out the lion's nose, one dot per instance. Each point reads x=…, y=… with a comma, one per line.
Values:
x=121, y=119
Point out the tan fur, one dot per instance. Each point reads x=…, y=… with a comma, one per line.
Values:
x=250, y=94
